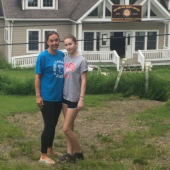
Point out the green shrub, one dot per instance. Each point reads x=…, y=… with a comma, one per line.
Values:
x=11, y=86
x=158, y=89
x=19, y=88
x=132, y=84
x=4, y=64
x=129, y=84
x=4, y=81
x=100, y=84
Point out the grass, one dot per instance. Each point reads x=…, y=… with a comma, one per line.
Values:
x=145, y=146
x=17, y=104
x=19, y=74
x=161, y=71
x=135, y=149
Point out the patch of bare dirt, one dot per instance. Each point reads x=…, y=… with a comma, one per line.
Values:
x=108, y=120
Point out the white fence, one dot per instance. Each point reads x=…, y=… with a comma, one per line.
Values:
x=102, y=57
x=93, y=57
x=156, y=57
x=24, y=61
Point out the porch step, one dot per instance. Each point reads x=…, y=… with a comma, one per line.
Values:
x=132, y=68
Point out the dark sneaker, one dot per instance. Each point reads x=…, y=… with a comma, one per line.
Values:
x=67, y=158
x=78, y=156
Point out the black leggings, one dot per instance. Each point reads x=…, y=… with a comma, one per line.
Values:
x=50, y=113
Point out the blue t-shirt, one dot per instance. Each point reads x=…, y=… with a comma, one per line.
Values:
x=51, y=68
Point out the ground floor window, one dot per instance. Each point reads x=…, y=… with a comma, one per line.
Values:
x=33, y=40
x=145, y=40
x=140, y=41
x=151, y=44
x=88, y=41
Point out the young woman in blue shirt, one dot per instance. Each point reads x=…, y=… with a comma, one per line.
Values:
x=48, y=87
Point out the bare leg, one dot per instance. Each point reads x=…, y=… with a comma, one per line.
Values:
x=72, y=140
x=51, y=151
x=69, y=145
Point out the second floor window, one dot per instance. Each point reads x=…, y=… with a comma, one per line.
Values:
x=47, y=3
x=32, y=3
x=41, y=4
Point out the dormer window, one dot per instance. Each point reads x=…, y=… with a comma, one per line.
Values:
x=41, y=4
x=48, y=3
x=32, y=3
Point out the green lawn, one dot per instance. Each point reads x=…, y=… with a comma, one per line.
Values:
x=141, y=141
x=121, y=150
x=20, y=74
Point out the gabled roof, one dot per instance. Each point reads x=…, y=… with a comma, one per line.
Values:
x=164, y=3
x=82, y=7
x=68, y=9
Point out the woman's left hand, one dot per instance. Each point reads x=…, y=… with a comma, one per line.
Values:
x=80, y=104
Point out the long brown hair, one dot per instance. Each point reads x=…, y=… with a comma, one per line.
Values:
x=49, y=34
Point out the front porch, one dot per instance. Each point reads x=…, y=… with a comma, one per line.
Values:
x=105, y=59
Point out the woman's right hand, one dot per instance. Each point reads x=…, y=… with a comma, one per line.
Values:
x=39, y=102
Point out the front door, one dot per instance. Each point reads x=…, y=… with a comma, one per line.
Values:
x=117, y=43
x=128, y=51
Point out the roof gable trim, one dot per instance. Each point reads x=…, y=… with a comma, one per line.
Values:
x=89, y=11
x=161, y=8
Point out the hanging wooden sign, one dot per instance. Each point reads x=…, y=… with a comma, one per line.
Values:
x=126, y=13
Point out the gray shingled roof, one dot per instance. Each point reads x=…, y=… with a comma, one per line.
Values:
x=68, y=9
x=82, y=7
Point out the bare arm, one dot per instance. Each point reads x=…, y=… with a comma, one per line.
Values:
x=39, y=99
x=82, y=90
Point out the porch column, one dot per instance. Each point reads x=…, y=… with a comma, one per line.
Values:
x=10, y=41
x=80, y=36
x=169, y=36
x=149, y=9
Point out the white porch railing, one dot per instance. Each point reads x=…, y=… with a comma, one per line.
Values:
x=156, y=57
x=102, y=57
x=91, y=57
x=24, y=61
x=141, y=59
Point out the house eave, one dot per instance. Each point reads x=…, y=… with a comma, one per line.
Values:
x=155, y=19
x=109, y=20
x=50, y=19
